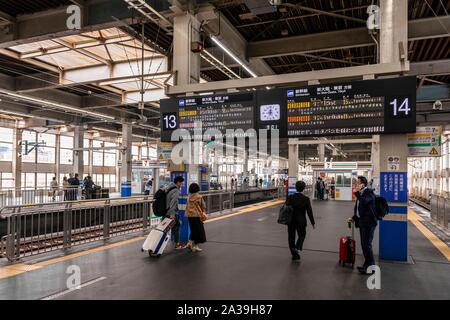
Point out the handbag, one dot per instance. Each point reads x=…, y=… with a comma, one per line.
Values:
x=203, y=214
x=203, y=217
x=285, y=214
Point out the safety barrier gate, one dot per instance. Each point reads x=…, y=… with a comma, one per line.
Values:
x=440, y=211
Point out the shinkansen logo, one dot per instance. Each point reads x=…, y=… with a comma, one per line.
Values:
x=290, y=93
x=181, y=103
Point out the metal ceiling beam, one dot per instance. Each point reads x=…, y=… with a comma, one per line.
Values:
x=64, y=48
x=299, y=17
x=82, y=51
x=430, y=68
x=291, y=78
x=420, y=29
x=149, y=96
x=52, y=23
x=6, y=18
x=321, y=12
x=40, y=64
x=118, y=71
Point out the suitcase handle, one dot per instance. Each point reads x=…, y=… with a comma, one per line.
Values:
x=351, y=225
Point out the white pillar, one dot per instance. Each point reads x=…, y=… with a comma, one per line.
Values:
x=57, y=155
x=91, y=157
x=393, y=231
x=293, y=166
x=321, y=152
x=17, y=159
x=127, y=142
x=186, y=63
x=78, y=161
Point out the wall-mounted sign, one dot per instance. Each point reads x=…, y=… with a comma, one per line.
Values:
x=426, y=142
x=393, y=163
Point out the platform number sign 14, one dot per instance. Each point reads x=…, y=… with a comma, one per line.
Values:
x=400, y=107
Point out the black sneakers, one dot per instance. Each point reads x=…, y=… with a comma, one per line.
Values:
x=295, y=255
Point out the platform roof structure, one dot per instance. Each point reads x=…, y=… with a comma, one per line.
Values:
x=99, y=67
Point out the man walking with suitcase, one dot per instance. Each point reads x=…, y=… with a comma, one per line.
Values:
x=365, y=218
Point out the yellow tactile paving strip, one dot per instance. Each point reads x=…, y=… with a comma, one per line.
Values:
x=438, y=243
x=19, y=268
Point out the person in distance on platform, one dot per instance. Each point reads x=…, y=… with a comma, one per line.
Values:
x=54, y=186
x=196, y=214
x=365, y=219
x=301, y=205
x=172, y=208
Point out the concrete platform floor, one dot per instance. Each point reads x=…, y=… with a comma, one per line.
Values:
x=246, y=257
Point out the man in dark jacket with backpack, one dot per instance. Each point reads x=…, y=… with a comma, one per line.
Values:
x=366, y=219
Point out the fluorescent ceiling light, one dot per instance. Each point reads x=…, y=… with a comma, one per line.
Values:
x=56, y=105
x=233, y=56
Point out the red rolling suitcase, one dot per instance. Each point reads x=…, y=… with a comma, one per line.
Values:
x=347, y=248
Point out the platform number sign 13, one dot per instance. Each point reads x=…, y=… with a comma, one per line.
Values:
x=170, y=121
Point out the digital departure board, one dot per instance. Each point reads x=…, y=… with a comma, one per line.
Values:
x=366, y=107
x=352, y=108
x=217, y=112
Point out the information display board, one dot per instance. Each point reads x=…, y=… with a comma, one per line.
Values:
x=352, y=108
x=348, y=108
x=220, y=112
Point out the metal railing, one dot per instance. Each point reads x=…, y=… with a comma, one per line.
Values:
x=21, y=196
x=218, y=201
x=36, y=229
x=28, y=230
x=440, y=211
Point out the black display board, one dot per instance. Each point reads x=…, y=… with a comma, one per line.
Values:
x=352, y=108
x=339, y=109
x=227, y=111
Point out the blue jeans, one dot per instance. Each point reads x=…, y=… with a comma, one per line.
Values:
x=367, y=233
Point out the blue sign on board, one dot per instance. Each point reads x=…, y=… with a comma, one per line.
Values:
x=393, y=186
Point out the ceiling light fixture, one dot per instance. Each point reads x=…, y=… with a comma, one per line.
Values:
x=233, y=56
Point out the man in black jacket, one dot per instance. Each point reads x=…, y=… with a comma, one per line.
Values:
x=301, y=205
x=365, y=218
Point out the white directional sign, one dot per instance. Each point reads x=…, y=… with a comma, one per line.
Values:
x=426, y=142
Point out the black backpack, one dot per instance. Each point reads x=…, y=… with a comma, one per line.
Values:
x=160, y=202
x=381, y=207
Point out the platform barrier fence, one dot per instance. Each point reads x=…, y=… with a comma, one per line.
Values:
x=440, y=211
x=28, y=230
x=21, y=196
x=37, y=229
